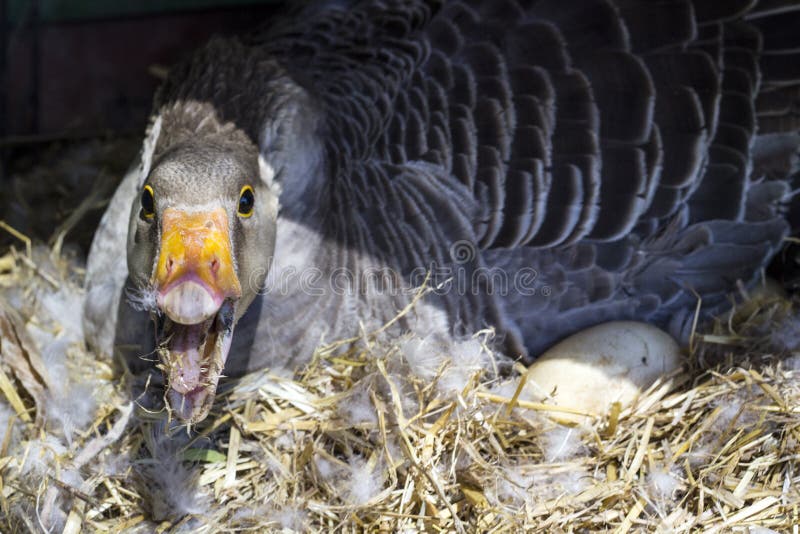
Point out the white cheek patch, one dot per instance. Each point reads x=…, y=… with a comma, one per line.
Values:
x=267, y=173
x=148, y=148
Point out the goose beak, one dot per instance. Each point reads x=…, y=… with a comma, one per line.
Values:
x=197, y=288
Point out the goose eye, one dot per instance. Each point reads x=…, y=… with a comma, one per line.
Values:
x=246, y=201
x=148, y=202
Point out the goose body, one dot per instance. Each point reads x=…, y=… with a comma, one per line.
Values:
x=544, y=165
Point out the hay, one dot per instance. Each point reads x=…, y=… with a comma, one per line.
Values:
x=389, y=434
x=356, y=442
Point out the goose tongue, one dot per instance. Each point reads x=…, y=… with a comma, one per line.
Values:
x=192, y=360
x=188, y=346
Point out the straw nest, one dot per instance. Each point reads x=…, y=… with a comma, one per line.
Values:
x=386, y=433
x=370, y=440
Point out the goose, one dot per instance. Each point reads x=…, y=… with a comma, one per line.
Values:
x=540, y=165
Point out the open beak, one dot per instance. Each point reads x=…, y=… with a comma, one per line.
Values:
x=197, y=288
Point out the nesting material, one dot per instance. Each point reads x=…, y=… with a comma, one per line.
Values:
x=381, y=437
x=768, y=288
x=612, y=363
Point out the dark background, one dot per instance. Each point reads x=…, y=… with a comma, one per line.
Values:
x=82, y=67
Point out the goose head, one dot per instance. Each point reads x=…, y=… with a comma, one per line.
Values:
x=201, y=235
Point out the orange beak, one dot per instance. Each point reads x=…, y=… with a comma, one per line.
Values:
x=195, y=271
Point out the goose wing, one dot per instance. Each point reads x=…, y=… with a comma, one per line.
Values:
x=635, y=154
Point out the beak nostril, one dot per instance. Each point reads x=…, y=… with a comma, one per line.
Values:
x=170, y=264
x=209, y=224
x=214, y=265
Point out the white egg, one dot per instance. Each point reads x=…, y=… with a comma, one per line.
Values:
x=611, y=362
